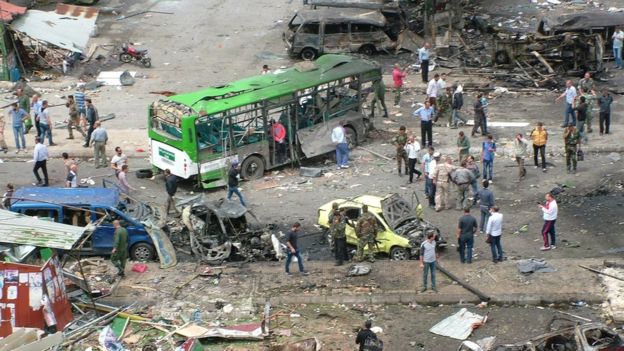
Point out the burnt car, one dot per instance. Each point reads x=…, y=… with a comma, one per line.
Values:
x=221, y=230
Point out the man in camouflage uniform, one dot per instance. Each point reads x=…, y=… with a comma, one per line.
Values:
x=441, y=178
x=337, y=229
x=74, y=118
x=379, y=96
x=401, y=155
x=586, y=88
x=335, y=211
x=572, y=140
x=366, y=231
x=444, y=106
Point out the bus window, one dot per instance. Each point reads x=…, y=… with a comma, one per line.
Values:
x=247, y=124
x=166, y=119
x=210, y=133
x=309, y=28
x=43, y=213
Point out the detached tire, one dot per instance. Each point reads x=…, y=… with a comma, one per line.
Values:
x=144, y=173
x=142, y=252
x=398, y=253
x=253, y=167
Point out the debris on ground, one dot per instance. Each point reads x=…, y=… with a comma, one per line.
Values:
x=359, y=269
x=460, y=325
x=533, y=265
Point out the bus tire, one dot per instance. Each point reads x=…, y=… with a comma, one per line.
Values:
x=352, y=140
x=308, y=54
x=144, y=173
x=252, y=167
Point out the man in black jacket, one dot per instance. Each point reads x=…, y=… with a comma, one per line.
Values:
x=171, y=185
x=366, y=338
x=457, y=102
x=233, y=183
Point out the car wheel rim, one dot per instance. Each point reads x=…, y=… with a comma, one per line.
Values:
x=399, y=255
x=142, y=253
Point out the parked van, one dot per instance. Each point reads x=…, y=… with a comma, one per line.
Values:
x=312, y=33
x=80, y=206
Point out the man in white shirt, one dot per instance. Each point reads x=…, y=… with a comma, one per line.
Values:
x=339, y=137
x=618, y=39
x=494, y=231
x=549, y=210
x=72, y=177
x=40, y=156
x=425, y=113
x=411, y=148
x=118, y=160
x=570, y=97
x=432, y=89
x=430, y=161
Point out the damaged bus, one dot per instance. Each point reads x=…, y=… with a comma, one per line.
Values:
x=198, y=135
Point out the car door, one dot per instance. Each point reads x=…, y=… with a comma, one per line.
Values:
x=384, y=235
x=336, y=38
x=102, y=237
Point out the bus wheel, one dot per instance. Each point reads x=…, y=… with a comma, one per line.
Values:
x=252, y=167
x=351, y=137
x=308, y=54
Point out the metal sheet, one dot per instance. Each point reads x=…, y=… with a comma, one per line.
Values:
x=316, y=140
x=458, y=326
x=62, y=30
x=7, y=11
x=20, y=229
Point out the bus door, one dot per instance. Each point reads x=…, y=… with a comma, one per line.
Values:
x=285, y=115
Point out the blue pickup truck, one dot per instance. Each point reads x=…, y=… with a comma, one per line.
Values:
x=81, y=206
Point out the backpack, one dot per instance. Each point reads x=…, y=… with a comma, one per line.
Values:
x=372, y=343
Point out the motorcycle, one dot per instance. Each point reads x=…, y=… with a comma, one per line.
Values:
x=129, y=53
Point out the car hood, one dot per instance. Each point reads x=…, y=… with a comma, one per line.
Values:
x=396, y=210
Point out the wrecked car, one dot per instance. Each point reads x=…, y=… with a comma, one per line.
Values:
x=582, y=337
x=311, y=33
x=217, y=231
x=401, y=230
x=589, y=23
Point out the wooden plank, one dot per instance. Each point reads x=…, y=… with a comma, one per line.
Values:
x=543, y=61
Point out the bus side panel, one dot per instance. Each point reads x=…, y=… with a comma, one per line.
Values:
x=164, y=156
x=214, y=173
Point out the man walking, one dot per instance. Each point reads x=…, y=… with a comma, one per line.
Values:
x=379, y=95
x=444, y=106
x=120, y=248
x=35, y=107
x=457, y=104
x=486, y=201
x=118, y=160
x=463, y=146
x=432, y=90
x=586, y=89
x=423, y=56
x=572, y=141
x=570, y=99
x=399, y=141
x=412, y=148
x=520, y=152
x=171, y=186
x=428, y=259
x=581, y=118
x=99, y=137
x=465, y=235
x=605, y=102
x=45, y=123
x=122, y=181
x=91, y=116
x=18, y=116
x=339, y=137
x=40, y=156
x=488, y=150
x=441, y=178
x=74, y=119
x=80, y=99
x=549, y=212
x=366, y=231
x=479, y=116
x=618, y=39
x=337, y=231
x=494, y=231
x=425, y=114
x=293, y=250
x=430, y=162
x=463, y=178
x=539, y=136
x=233, y=176
x=24, y=103
x=397, y=78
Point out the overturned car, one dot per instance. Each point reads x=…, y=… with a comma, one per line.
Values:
x=220, y=230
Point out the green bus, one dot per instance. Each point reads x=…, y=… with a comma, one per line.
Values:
x=198, y=135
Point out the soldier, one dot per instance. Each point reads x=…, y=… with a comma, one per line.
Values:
x=338, y=234
x=572, y=141
x=401, y=155
x=120, y=248
x=330, y=220
x=441, y=177
x=444, y=106
x=463, y=178
x=379, y=95
x=366, y=231
x=74, y=118
x=24, y=104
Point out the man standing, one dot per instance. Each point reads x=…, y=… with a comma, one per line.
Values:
x=339, y=137
x=366, y=231
x=428, y=258
x=463, y=145
x=539, y=136
x=572, y=141
x=412, y=148
x=233, y=176
x=444, y=106
x=278, y=133
x=549, y=212
x=99, y=137
x=618, y=38
x=18, y=116
x=74, y=119
x=430, y=161
x=35, y=107
x=40, y=156
x=465, y=235
x=486, y=201
x=72, y=177
x=171, y=185
x=80, y=98
x=457, y=104
x=366, y=336
x=463, y=178
x=293, y=250
x=441, y=178
x=45, y=123
x=432, y=90
x=425, y=113
x=479, y=116
x=494, y=230
x=120, y=248
x=379, y=95
x=488, y=150
x=397, y=77
x=401, y=155
x=118, y=160
x=605, y=102
x=423, y=56
x=24, y=103
x=520, y=152
x=91, y=116
x=337, y=229
x=581, y=117
x=122, y=179
x=570, y=98
x=8, y=196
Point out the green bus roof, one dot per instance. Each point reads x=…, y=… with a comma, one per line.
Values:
x=245, y=91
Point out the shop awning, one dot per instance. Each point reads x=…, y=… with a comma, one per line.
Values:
x=8, y=10
x=19, y=229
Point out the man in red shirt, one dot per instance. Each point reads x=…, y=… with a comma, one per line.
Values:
x=278, y=132
x=397, y=77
